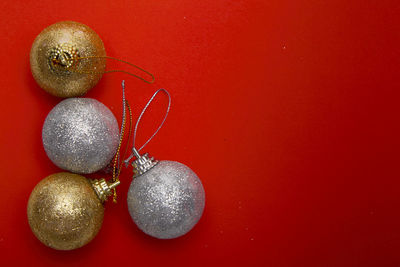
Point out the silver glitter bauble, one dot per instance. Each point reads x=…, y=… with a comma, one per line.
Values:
x=80, y=135
x=167, y=200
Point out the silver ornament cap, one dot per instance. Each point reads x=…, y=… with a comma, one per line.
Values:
x=80, y=135
x=142, y=164
x=167, y=200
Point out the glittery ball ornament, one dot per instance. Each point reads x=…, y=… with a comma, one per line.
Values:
x=67, y=59
x=65, y=210
x=165, y=199
x=80, y=135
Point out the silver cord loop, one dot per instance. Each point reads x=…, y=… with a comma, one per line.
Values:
x=141, y=115
x=123, y=117
x=135, y=152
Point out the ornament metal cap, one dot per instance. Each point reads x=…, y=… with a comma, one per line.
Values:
x=63, y=56
x=103, y=188
x=142, y=163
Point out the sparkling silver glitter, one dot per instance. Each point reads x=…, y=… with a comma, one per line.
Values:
x=166, y=201
x=80, y=135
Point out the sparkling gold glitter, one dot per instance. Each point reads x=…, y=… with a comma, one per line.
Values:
x=64, y=211
x=58, y=48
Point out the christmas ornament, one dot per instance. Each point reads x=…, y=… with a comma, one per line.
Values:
x=166, y=198
x=80, y=135
x=65, y=210
x=57, y=48
x=68, y=58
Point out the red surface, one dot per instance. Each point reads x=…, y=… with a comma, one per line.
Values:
x=287, y=110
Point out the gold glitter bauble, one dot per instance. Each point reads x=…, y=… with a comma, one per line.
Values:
x=64, y=211
x=59, y=60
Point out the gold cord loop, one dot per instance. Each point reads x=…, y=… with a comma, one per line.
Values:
x=68, y=60
x=123, y=71
x=117, y=172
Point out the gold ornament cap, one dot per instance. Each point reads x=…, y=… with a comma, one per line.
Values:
x=103, y=189
x=67, y=59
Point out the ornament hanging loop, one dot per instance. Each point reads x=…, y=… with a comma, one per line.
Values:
x=142, y=113
x=123, y=71
x=117, y=166
x=65, y=57
x=135, y=152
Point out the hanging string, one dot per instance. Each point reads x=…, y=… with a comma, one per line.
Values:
x=129, y=134
x=126, y=104
x=75, y=60
x=117, y=171
x=123, y=112
x=135, y=152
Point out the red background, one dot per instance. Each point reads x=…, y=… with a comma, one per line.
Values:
x=287, y=110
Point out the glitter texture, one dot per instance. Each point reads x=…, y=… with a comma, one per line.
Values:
x=167, y=200
x=76, y=39
x=80, y=135
x=64, y=211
